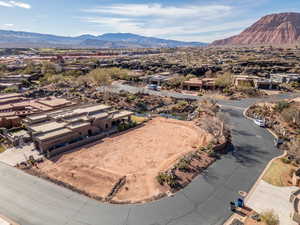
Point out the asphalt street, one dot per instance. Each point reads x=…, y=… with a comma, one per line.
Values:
x=32, y=201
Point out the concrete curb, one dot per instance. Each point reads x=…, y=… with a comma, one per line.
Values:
x=8, y=220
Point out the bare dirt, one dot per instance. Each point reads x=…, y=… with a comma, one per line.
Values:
x=139, y=154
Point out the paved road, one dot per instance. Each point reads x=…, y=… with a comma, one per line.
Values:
x=117, y=87
x=32, y=201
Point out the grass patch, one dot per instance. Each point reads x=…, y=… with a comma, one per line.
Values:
x=139, y=119
x=2, y=149
x=278, y=173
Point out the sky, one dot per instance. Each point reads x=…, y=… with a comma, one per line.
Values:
x=188, y=20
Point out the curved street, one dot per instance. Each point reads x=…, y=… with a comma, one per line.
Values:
x=32, y=201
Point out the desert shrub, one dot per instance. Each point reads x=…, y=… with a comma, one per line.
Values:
x=167, y=178
x=100, y=77
x=280, y=106
x=161, y=178
x=131, y=97
x=249, y=91
x=12, y=89
x=270, y=218
x=50, y=68
x=291, y=115
x=294, y=148
x=125, y=126
x=171, y=180
x=295, y=84
x=224, y=81
x=3, y=68
x=179, y=106
x=176, y=82
x=183, y=165
x=286, y=160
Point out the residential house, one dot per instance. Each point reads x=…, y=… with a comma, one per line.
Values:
x=62, y=130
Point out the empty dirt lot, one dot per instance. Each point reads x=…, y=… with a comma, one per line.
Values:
x=138, y=154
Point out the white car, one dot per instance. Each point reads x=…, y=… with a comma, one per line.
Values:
x=154, y=87
x=260, y=122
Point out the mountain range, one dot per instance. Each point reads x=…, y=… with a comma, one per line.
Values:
x=109, y=40
x=274, y=29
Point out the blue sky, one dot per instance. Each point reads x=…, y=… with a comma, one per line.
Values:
x=189, y=20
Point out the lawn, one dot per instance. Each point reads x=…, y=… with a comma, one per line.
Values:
x=278, y=173
x=139, y=119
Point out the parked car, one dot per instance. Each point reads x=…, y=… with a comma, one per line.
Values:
x=153, y=87
x=260, y=122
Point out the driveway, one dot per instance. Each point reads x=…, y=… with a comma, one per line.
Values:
x=268, y=197
x=15, y=155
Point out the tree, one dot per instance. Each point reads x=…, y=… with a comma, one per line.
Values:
x=100, y=77
x=30, y=68
x=225, y=80
x=176, y=82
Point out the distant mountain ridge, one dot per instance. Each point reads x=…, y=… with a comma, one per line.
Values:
x=274, y=29
x=109, y=40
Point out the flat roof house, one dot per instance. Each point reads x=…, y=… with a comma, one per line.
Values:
x=193, y=84
x=159, y=79
x=285, y=77
x=62, y=130
x=244, y=80
x=14, y=107
x=197, y=84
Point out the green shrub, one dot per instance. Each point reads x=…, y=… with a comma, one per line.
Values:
x=286, y=160
x=224, y=81
x=169, y=179
x=183, y=165
x=161, y=178
x=125, y=126
x=12, y=89
x=270, y=218
x=280, y=106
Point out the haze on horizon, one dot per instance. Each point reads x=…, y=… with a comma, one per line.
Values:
x=191, y=20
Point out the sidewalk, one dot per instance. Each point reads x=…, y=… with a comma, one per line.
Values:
x=13, y=156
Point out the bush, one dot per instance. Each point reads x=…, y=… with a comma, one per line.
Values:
x=175, y=82
x=161, y=178
x=126, y=126
x=100, y=77
x=280, y=106
x=183, y=165
x=224, y=81
x=11, y=89
x=291, y=115
x=286, y=160
x=270, y=218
